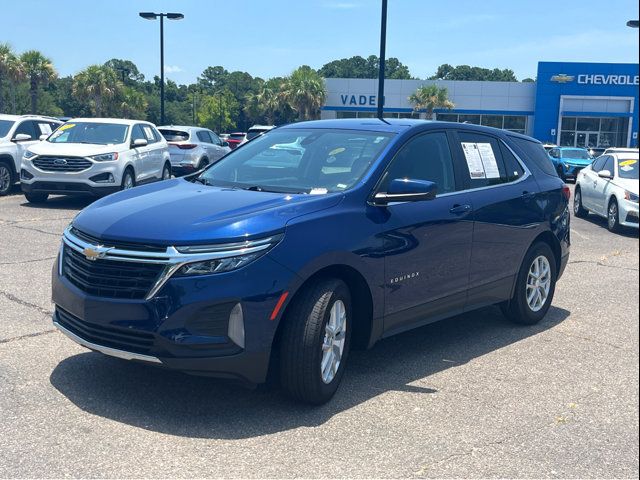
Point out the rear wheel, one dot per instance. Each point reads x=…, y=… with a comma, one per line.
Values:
x=36, y=197
x=203, y=164
x=535, y=286
x=315, y=342
x=166, y=172
x=578, y=210
x=613, y=216
x=128, y=180
x=6, y=179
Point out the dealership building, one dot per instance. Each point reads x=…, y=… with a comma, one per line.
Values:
x=570, y=104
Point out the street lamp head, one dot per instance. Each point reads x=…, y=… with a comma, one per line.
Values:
x=148, y=15
x=175, y=16
x=632, y=23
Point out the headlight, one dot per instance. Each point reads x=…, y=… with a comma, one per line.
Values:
x=632, y=197
x=105, y=157
x=227, y=257
x=28, y=154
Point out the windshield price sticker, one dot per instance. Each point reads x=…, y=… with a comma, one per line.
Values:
x=474, y=161
x=45, y=128
x=481, y=160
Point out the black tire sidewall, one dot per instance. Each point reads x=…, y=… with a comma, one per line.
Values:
x=12, y=179
x=166, y=168
x=203, y=163
x=616, y=226
x=36, y=197
x=128, y=172
x=519, y=310
x=578, y=208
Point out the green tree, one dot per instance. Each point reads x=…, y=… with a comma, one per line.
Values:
x=262, y=106
x=11, y=73
x=127, y=71
x=133, y=104
x=528, y=80
x=466, y=72
x=39, y=71
x=218, y=111
x=359, y=67
x=97, y=84
x=429, y=98
x=305, y=92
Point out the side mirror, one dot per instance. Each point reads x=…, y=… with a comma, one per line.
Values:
x=139, y=142
x=43, y=137
x=407, y=190
x=21, y=137
x=605, y=174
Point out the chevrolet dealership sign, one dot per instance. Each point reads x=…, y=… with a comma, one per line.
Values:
x=595, y=79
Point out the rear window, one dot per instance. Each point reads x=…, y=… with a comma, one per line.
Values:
x=534, y=152
x=236, y=136
x=253, y=133
x=174, y=135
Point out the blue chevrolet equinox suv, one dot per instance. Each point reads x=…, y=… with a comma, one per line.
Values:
x=311, y=240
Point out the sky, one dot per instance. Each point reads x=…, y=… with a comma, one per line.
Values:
x=272, y=38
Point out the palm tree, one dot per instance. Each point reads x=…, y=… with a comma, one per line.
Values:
x=6, y=58
x=132, y=103
x=262, y=104
x=430, y=97
x=39, y=70
x=15, y=74
x=305, y=92
x=97, y=83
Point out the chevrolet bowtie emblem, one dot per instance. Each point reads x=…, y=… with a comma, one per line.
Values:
x=562, y=78
x=94, y=253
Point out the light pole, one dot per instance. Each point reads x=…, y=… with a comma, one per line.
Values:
x=383, y=43
x=632, y=23
x=153, y=16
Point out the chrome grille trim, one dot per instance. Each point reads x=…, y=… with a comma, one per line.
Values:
x=61, y=164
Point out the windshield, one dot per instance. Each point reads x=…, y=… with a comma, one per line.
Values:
x=299, y=161
x=576, y=154
x=5, y=126
x=90, y=132
x=628, y=169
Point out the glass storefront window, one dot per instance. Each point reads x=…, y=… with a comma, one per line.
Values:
x=567, y=139
x=492, y=120
x=602, y=132
x=588, y=124
x=568, y=123
x=475, y=119
x=609, y=124
x=511, y=122
x=447, y=117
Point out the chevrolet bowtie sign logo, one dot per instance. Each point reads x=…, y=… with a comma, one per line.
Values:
x=94, y=253
x=563, y=78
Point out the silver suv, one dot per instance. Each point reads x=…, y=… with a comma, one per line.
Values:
x=192, y=148
x=17, y=134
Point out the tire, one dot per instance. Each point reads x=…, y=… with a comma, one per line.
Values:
x=528, y=312
x=203, y=163
x=613, y=216
x=578, y=210
x=305, y=332
x=166, y=172
x=561, y=174
x=128, y=180
x=7, y=179
x=36, y=197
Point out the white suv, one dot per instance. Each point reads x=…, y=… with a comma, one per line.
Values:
x=94, y=156
x=192, y=148
x=17, y=133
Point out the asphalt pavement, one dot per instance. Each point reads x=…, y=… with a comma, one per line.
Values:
x=473, y=396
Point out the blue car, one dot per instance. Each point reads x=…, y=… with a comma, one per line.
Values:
x=568, y=161
x=279, y=259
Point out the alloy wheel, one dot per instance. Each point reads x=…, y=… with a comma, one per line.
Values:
x=5, y=179
x=334, y=340
x=538, y=283
x=128, y=182
x=612, y=217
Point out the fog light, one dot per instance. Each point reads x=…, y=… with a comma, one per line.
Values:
x=24, y=175
x=236, y=325
x=103, y=178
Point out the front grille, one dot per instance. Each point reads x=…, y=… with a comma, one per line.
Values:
x=109, y=278
x=61, y=164
x=118, y=338
x=117, y=244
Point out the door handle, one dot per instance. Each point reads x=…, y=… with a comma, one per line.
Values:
x=528, y=196
x=460, y=209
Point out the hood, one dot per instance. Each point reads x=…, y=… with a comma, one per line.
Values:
x=74, y=149
x=628, y=184
x=578, y=161
x=178, y=212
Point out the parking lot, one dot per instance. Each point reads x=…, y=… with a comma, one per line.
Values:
x=473, y=396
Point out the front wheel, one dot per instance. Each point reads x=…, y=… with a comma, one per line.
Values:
x=578, y=210
x=613, y=216
x=36, y=197
x=315, y=341
x=535, y=286
x=6, y=179
x=128, y=180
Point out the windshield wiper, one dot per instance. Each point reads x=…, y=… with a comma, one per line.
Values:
x=202, y=181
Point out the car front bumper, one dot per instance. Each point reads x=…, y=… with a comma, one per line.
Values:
x=572, y=171
x=628, y=214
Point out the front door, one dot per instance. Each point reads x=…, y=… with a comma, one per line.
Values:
x=427, y=244
x=602, y=187
x=590, y=182
x=586, y=139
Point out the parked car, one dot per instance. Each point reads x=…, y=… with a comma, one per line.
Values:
x=609, y=188
x=17, y=134
x=224, y=137
x=596, y=151
x=568, y=161
x=192, y=148
x=256, y=131
x=376, y=228
x=235, y=139
x=94, y=156
x=548, y=146
x=620, y=150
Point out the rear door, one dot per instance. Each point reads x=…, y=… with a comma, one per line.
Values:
x=602, y=187
x=218, y=150
x=427, y=244
x=590, y=182
x=153, y=160
x=139, y=154
x=504, y=197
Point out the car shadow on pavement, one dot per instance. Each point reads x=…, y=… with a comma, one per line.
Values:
x=599, y=221
x=183, y=405
x=62, y=203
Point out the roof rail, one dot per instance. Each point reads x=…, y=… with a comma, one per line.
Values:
x=31, y=115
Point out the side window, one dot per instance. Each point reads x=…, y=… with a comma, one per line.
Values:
x=483, y=159
x=555, y=153
x=512, y=166
x=532, y=153
x=28, y=129
x=214, y=138
x=609, y=165
x=203, y=136
x=137, y=133
x=599, y=163
x=425, y=157
x=148, y=134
